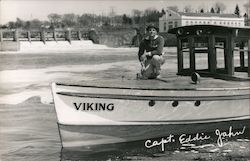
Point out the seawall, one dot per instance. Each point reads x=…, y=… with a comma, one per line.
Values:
x=9, y=46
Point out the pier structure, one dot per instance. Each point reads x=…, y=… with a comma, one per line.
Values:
x=10, y=39
x=226, y=50
x=43, y=35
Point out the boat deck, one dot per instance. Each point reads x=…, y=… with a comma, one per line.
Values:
x=166, y=81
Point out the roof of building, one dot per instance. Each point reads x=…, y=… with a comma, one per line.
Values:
x=209, y=15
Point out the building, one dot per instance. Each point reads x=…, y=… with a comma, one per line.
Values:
x=174, y=19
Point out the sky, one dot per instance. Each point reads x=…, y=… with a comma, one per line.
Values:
x=40, y=9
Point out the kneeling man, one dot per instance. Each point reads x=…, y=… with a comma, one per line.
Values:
x=151, y=53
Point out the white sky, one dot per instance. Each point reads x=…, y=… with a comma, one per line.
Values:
x=31, y=9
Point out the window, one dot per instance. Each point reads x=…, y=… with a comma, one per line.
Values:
x=175, y=24
x=165, y=26
x=170, y=24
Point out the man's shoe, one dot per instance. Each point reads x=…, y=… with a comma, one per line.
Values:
x=157, y=72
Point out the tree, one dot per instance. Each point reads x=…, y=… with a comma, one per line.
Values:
x=245, y=16
x=55, y=19
x=35, y=24
x=212, y=10
x=126, y=19
x=12, y=25
x=19, y=23
x=27, y=25
x=163, y=12
x=69, y=20
x=136, y=16
x=219, y=7
x=188, y=9
x=85, y=20
x=237, y=10
x=152, y=15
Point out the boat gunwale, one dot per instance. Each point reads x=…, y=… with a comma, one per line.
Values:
x=155, y=98
x=156, y=89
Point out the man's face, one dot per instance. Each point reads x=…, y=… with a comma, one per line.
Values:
x=152, y=32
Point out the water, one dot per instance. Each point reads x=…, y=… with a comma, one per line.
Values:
x=28, y=129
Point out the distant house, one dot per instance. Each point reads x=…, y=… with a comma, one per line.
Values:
x=174, y=19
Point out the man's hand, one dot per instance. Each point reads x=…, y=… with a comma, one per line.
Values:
x=148, y=54
x=143, y=57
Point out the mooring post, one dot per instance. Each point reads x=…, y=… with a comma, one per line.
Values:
x=29, y=36
x=68, y=36
x=242, y=63
x=1, y=36
x=179, y=55
x=16, y=35
x=192, y=53
x=43, y=37
x=54, y=35
x=79, y=35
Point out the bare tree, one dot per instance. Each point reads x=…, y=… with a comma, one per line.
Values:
x=188, y=9
x=55, y=19
x=69, y=20
x=136, y=16
x=219, y=7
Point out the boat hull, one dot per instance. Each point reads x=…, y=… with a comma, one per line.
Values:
x=89, y=137
x=89, y=116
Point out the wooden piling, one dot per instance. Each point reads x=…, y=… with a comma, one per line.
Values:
x=191, y=53
x=248, y=58
x=1, y=36
x=242, y=62
x=79, y=35
x=43, y=37
x=29, y=36
x=230, y=55
x=179, y=55
x=212, y=62
x=16, y=35
x=68, y=36
x=54, y=35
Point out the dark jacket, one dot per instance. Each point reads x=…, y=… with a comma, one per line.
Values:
x=154, y=46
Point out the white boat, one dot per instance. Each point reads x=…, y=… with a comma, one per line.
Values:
x=92, y=115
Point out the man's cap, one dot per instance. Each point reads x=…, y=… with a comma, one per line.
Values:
x=152, y=26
